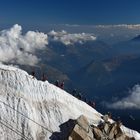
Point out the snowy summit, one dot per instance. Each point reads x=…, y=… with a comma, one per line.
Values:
x=35, y=110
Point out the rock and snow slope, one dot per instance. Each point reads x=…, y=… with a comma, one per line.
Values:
x=33, y=110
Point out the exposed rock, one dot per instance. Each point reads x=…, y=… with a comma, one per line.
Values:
x=124, y=137
x=104, y=131
x=118, y=132
x=112, y=132
x=97, y=133
x=80, y=134
x=81, y=130
x=108, y=131
x=107, y=127
x=127, y=138
x=105, y=118
x=83, y=122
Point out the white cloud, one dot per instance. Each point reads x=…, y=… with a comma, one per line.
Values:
x=128, y=26
x=18, y=48
x=130, y=102
x=69, y=39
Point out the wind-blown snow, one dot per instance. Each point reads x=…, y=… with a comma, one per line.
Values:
x=40, y=107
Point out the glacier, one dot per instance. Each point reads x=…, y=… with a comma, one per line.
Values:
x=34, y=110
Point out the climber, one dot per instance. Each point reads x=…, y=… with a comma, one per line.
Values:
x=91, y=103
x=62, y=85
x=118, y=122
x=57, y=83
x=74, y=92
x=33, y=74
x=43, y=78
x=85, y=99
x=109, y=115
x=79, y=96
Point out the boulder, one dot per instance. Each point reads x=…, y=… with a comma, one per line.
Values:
x=79, y=133
x=81, y=130
x=112, y=131
x=83, y=122
x=97, y=133
x=104, y=131
x=107, y=127
x=118, y=132
x=105, y=118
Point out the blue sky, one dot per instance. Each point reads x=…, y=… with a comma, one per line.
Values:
x=89, y=12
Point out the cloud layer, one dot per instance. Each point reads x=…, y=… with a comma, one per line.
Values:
x=128, y=26
x=70, y=39
x=20, y=49
x=130, y=102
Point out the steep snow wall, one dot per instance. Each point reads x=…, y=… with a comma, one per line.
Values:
x=34, y=110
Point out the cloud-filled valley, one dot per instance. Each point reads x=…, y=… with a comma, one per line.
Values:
x=33, y=48
x=70, y=38
x=132, y=101
x=19, y=48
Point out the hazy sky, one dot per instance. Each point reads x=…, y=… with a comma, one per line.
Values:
x=42, y=12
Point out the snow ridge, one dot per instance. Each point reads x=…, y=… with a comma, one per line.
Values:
x=36, y=109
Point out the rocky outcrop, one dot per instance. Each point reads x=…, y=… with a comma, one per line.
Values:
x=104, y=131
x=81, y=130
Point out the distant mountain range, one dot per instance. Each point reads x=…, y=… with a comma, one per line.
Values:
x=99, y=71
x=92, y=67
x=137, y=38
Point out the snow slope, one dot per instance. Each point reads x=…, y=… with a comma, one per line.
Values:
x=34, y=110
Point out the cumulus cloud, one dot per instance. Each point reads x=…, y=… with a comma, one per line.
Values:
x=20, y=49
x=130, y=102
x=69, y=39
